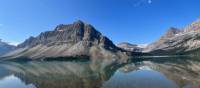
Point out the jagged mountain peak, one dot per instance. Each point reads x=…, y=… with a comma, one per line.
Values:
x=193, y=26
x=172, y=31
x=76, y=25
x=72, y=33
x=74, y=39
x=177, y=41
x=79, y=22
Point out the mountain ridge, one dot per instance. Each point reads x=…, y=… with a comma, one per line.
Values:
x=130, y=47
x=5, y=47
x=77, y=39
x=178, y=41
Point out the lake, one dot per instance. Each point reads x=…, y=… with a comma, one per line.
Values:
x=158, y=72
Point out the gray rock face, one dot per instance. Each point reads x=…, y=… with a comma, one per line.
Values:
x=171, y=33
x=65, y=34
x=130, y=47
x=177, y=41
x=5, y=48
x=164, y=41
x=69, y=40
x=192, y=27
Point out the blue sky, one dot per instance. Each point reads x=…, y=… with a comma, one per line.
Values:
x=134, y=21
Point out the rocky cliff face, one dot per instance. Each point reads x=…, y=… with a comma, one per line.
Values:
x=77, y=39
x=5, y=48
x=164, y=41
x=177, y=41
x=130, y=47
x=192, y=27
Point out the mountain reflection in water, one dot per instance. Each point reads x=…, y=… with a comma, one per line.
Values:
x=172, y=72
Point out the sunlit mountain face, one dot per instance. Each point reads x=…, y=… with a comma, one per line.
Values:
x=170, y=72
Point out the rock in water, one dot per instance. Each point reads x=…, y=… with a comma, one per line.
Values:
x=77, y=39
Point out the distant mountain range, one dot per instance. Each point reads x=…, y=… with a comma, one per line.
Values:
x=77, y=39
x=130, y=47
x=178, y=41
x=5, y=47
x=83, y=40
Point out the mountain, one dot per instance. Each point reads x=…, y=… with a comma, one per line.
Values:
x=66, y=40
x=130, y=47
x=5, y=47
x=163, y=41
x=178, y=41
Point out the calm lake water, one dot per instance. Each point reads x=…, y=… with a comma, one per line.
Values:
x=171, y=72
